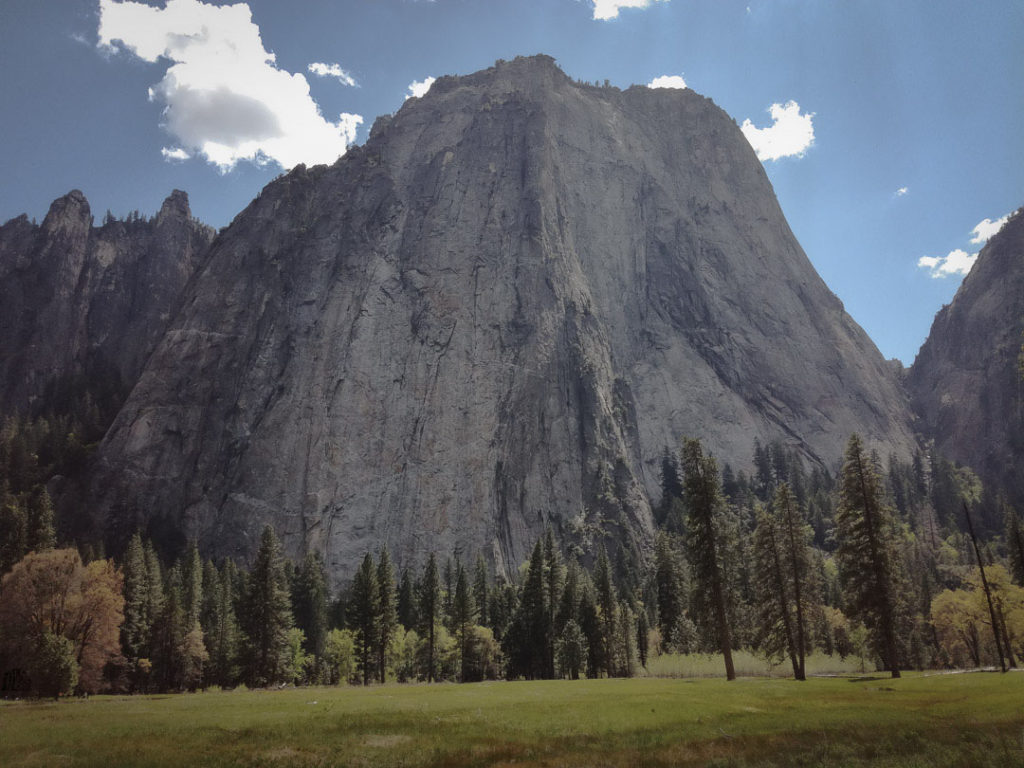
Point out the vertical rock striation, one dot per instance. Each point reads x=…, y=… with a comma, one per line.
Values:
x=489, y=319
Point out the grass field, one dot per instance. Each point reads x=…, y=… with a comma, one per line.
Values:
x=969, y=720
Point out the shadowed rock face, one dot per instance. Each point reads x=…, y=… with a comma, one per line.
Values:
x=492, y=318
x=78, y=300
x=965, y=382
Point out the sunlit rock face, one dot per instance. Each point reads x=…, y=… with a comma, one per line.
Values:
x=492, y=318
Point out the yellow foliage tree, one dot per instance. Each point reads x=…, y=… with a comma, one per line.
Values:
x=53, y=594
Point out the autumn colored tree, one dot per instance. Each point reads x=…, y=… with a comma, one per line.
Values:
x=50, y=595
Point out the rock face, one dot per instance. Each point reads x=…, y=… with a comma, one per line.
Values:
x=79, y=300
x=965, y=381
x=491, y=318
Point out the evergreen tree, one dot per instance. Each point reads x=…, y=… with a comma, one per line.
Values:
x=192, y=585
x=1014, y=543
x=528, y=642
x=642, y=628
x=13, y=532
x=554, y=583
x=463, y=614
x=704, y=510
x=606, y=602
x=865, y=553
x=363, y=616
x=406, y=602
x=137, y=627
x=387, y=614
x=572, y=650
x=222, y=632
x=309, y=603
x=428, y=610
x=41, y=536
x=481, y=593
x=668, y=585
x=267, y=616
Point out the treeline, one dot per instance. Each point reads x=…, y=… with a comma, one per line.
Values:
x=738, y=563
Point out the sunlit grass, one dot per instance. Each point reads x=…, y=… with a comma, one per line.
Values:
x=748, y=665
x=954, y=720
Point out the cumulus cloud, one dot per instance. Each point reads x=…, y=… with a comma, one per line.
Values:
x=419, y=88
x=901, y=191
x=321, y=69
x=174, y=153
x=668, y=81
x=986, y=228
x=956, y=262
x=789, y=135
x=224, y=98
x=609, y=9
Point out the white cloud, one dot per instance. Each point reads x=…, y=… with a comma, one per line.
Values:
x=419, y=88
x=321, y=69
x=668, y=81
x=609, y=9
x=224, y=97
x=901, y=191
x=986, y=228
x=174, y=153
x=789, y=135
x=956, y=262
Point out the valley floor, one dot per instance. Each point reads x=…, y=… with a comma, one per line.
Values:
x=970, y=720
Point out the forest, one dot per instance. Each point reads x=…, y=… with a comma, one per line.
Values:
x=783, y=564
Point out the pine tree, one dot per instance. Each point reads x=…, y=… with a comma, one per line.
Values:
x=13, y=532
x=642, y=628
x=606, y=603
x=406, y=602
x=267, y=615
x=428, y=610
x=795, y=545
x=704, y=510
x=529, y=638
x=41, y=536
x=222, y=632
x=192, y=585
x=481, y=593
x=865, y=554
x=137, y=627
x=363, y=615
x=463, y=614
x=554, y=582
x=387, y=614
x=1014, y=543
x=309, y=603
x=668, y=584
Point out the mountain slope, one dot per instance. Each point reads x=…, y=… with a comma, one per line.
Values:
x=965, y=381
x=491, y=318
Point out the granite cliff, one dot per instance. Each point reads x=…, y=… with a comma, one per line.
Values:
x=491, y=318
x=965, y=382
x=79, y=301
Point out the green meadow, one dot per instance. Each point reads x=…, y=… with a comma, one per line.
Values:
x=970, y=720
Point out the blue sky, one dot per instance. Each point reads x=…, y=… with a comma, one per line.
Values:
x=916, y=107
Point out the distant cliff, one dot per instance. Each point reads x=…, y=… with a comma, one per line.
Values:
x=78, y=300
x=965, y=381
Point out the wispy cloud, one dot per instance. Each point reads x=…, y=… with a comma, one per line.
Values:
x=418, y=88
x=320, y=69
x=901, y=191
x=174, y=153
x=667, y=81
x=224, y=97
x=609, y=9
x=986, y=228
x=790, y=134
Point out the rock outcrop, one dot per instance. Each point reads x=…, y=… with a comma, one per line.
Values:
x=491, y=318
x=965, y=382
x=84, y=301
